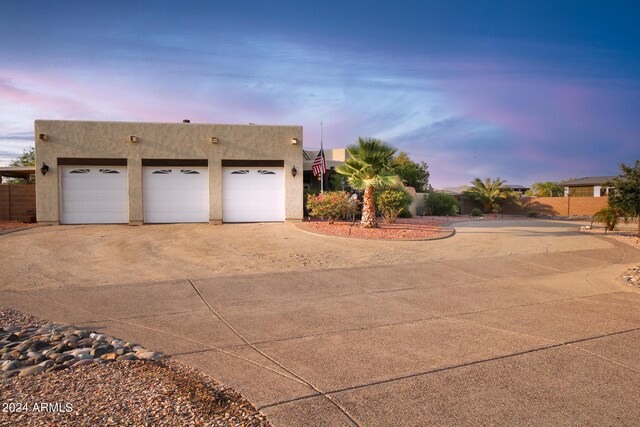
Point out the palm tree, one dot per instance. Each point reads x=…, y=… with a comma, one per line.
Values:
x=490, y=193
x=609, y=216
x=367, y=168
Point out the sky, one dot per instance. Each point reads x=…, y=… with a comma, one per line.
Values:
x=522, y=90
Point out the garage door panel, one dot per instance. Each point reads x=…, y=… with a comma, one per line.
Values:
x=91, y=196
x=176, y=194
x=253, y=194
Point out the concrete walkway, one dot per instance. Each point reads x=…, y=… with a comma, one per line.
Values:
x=539, y=337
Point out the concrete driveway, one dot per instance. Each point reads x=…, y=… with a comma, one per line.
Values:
x=508, y=322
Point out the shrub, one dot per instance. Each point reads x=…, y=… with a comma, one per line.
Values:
x=305, y=197
x=406, y=213
x=330, y=204
x=476, y=212
x=439, y=204
x=532, y=214
x=609, y=216
x=391, y=203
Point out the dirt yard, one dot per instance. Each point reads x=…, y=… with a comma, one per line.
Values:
x=107, y=254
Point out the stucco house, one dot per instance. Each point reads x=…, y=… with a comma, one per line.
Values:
x=126, y=172
x=334, y=157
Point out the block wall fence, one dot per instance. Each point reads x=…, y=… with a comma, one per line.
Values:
x=560, y=206
x=18, y=202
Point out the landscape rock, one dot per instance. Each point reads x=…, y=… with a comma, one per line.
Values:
x=32, y=370
x=39, y=347
x=64, y=358
x=47, y=364
x=10, y=365
x=148, y=355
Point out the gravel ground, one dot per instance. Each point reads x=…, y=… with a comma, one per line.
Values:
x=129, y=392
x=632, y=276
x=11, y=317
x=625, y=236
x=404, y=229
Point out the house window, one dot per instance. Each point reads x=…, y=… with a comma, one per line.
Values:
x=581, y=191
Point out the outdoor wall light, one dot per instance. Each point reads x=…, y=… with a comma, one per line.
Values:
x=43, y=137
x=44, y=169
x=214, y=140
x=294, y=141
x=133, y=138
x=294, y=171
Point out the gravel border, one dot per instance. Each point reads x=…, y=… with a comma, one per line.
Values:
x=626, y=236
x=124, y=391
x=404, y=230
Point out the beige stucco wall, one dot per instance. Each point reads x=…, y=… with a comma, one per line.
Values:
x=85, y=139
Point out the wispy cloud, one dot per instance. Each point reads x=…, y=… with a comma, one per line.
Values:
x=470, y=103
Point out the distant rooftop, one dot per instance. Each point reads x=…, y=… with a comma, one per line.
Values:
x=17, y=171
x=515, y=187
x=587, y=181
x=456, y=191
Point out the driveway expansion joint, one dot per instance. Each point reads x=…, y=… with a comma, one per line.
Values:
x=302, y=380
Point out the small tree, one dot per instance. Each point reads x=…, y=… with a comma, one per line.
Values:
x=439, y=204
x=391, y=203
x=413, y=174
x=624, y=193
x=547, y=189
x=27, y=158
x=330, y=204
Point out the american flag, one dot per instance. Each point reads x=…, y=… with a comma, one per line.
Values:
x=319, y=164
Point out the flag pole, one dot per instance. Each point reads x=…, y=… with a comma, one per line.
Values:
x=324, y=160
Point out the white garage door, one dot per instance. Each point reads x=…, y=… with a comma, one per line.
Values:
x=94, y=195
x=176, y=194
x=253, y=194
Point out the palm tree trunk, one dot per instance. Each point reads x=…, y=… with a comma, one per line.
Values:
x=369, y=219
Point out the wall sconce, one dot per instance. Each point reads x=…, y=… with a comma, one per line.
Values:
x=133, y=138
x=43, y=137
x=214, y=140
x=294, y=171
x=294, y=141
x=44, y=169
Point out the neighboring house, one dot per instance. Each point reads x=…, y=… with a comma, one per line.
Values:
x=454, y=191
x=591, y=186
x=520, y=189
x=125, y=172
x=333, y=156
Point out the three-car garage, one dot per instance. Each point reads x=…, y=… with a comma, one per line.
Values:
x=174, y=191
x=146, y=173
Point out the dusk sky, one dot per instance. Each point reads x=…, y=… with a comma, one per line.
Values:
x=527, y=91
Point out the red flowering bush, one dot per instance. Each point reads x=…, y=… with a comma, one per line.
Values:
x=330, y=204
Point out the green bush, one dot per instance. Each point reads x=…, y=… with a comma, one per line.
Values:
x=532, y=214
x=405, y=214
x=330, y=204
x=391, y=203
x=439, y=204
x=476, y=212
